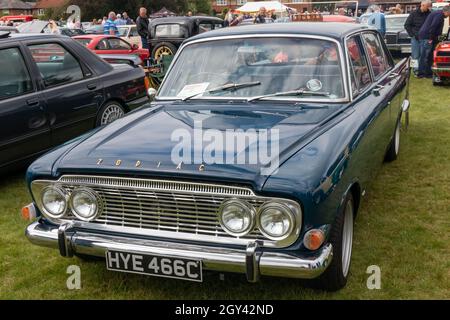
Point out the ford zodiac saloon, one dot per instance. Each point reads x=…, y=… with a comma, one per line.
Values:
x=253, y=158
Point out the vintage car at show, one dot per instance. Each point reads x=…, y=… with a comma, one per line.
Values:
x=106, y=44
x=53, y=89
x=326, y=99
x=167, y=34
x=397, y=38
x=441, y=62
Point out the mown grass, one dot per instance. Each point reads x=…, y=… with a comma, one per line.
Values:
x=403, y=227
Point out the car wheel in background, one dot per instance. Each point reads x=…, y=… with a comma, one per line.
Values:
x=394, y=146
x=341, y=237
x=163, y=48
x=110, y=112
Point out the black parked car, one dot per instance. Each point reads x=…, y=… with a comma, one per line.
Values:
x=397, y=39
x=53, y=89
x=167, y=34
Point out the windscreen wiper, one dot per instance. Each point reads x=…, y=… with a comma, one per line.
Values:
x=299, y=92
x=225, y=87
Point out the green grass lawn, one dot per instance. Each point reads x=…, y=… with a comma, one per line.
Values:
x=403, y=227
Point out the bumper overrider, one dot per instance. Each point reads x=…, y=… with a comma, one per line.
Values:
x=253, y=260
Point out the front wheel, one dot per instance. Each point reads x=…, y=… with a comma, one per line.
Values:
x=341, y=237
x=110, y=112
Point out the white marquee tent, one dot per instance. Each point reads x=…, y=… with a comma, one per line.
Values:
x=251, y=7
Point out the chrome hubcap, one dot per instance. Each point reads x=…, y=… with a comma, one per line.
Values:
x=347, y=238
x=397, y=139
x=112, y=113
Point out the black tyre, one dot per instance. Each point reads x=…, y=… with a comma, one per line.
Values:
x=110, y=112
x=163, y=48
x=341, y=237
x=394, y=145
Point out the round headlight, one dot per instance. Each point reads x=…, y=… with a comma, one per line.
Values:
x=275, y=220
x=54, y=202
x=237, y=217
x=85, y=204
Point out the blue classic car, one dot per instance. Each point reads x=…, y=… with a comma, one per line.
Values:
x=188, y=184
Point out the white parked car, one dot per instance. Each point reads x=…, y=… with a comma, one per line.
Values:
x=130, y=34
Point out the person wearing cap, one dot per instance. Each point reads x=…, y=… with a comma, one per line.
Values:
x=429, y=35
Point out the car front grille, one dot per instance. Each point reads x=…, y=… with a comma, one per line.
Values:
x=188, y=210
x=443, y=53
x=443, y=64
x=391, y=38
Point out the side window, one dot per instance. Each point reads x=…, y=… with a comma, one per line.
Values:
x=204, y=27
x=376, y=54
x=102, y=45
x=56, y=65
x=14, y=76
x=118, y=44
x=359, y=71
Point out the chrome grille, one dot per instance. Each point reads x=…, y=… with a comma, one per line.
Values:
x=181, y=208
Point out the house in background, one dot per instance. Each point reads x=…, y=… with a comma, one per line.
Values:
x=15, y=8
x=43, y=6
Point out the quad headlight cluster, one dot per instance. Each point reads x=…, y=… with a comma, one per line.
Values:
x=84, y=203
x=275, y=220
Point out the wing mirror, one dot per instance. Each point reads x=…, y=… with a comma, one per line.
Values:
x=405, y=105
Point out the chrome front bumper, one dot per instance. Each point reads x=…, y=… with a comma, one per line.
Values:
x=252, y=261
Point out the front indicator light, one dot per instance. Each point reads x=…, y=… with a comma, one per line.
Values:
x=313, y=239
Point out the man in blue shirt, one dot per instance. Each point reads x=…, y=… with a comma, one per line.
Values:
x=110, y=27
x=428, y=39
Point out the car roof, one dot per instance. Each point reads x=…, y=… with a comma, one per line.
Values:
x=402, y=15
x=31, y=36
x=336, y=30
x=179, y=19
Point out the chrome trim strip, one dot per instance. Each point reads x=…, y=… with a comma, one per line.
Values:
x=280, y=264
x=346, y=97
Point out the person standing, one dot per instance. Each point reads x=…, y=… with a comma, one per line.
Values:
x=412, y=25
x=110, y=26
x=127, y=19
x=428, y=38
x=377, y=20
x=142, y=27
x=261, y=17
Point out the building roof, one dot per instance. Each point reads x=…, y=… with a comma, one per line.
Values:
x=14, y=4
x=336, y=30
x=45, y=4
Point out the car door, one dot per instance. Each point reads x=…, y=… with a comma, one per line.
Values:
x=24, y=126
x=372, y=94
x=71, y=91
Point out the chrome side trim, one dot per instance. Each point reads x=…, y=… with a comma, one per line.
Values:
x=280, y=264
